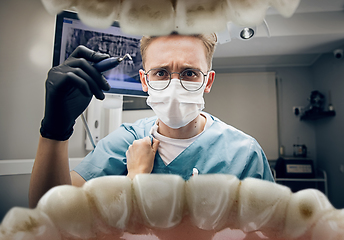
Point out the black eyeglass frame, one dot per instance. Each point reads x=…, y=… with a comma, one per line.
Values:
x=180, y=79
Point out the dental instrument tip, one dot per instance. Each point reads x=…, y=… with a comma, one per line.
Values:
x=125, y=56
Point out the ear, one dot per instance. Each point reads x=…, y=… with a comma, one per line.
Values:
x=211, y=78
x=143, y=80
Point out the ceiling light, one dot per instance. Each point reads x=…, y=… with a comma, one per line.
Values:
x=247, y=33
x=234, y=31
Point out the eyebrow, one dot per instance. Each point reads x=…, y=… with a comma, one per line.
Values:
x=183, y=67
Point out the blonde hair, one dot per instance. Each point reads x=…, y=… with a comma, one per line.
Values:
x=209, y=41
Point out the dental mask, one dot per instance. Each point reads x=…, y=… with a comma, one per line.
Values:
x=175, y=106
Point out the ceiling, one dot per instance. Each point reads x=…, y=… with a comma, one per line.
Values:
x=316, y=27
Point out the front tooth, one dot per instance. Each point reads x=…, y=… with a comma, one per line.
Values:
x=330, y=226
x=262, y=205
x=99, y=14
x=210, y=198
x=304, y=208
x=160, y=199
x=68, y=207
x=202, y=16
x=285, y=7
x=26, y=224
x=112, y=198
x=149, y=17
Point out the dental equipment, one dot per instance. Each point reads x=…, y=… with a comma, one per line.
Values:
x=103, y=66
x=110, y=63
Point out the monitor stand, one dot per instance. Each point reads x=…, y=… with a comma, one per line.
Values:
x=103, y=117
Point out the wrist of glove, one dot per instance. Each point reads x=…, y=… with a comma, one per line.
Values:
x=69, y=89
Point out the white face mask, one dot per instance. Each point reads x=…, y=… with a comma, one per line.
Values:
x=175, y=106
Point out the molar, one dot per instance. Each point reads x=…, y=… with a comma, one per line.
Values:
x=210, y=198
x=262, y=205
x=99, y=14
x=56, y=6
x=330, y=226
x=305, y=207
x=149, y=17
x=160, y=199
x=247, y=13
x=112, y=198
x=202, y=16
x=69, y=209
x=28, y=224
x=285, y=7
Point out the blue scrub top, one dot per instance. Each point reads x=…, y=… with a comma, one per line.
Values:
x=219, y=149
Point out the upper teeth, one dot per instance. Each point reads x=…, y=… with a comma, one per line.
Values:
x=163, y=202
x=160, y=17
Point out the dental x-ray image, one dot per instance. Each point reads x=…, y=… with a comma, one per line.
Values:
x=115, y=46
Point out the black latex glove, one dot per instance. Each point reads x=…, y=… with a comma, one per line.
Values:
x=69, y=89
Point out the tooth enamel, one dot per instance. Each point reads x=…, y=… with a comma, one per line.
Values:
x=55, y=6
x=149, y=17
x=285, y=7
x=160, y=199
x=247, y=13
x=210, y=198
x=99, y=14
x=161, y=17
x=26, y=224
x=304, y=208
x=262, y=205
x=202, y=16
x=330, y=226
x=214, y=202
x=112, y=198
x=69, y=209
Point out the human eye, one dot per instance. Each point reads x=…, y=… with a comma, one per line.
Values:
x=159, y=74
x=191, y=74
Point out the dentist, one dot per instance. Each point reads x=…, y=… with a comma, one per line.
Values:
x=180, y=139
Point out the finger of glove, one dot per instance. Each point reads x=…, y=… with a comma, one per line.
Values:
x=88, y=83
x=96, y=80
x=85, y=55
x=90, y=55
x=79, y=83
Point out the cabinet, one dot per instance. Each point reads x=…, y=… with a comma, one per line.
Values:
x=296, y=184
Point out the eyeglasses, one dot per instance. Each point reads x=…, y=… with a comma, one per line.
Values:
x=191, y=79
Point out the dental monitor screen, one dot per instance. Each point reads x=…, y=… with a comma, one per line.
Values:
x=70, y=32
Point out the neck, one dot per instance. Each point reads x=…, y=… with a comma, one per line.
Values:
x=192, y=129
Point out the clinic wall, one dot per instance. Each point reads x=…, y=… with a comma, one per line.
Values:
x=26, y=50
x=294, y=85
x=328, y=75
x=27, y=39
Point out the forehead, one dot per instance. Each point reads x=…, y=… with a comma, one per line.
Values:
x=176, y=51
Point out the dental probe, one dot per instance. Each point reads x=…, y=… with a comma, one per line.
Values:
x=109, y=63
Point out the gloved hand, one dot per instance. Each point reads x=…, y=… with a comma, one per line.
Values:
x=69, y=89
